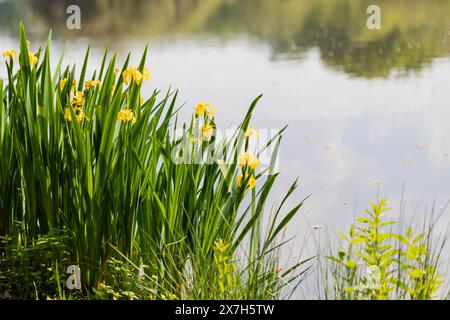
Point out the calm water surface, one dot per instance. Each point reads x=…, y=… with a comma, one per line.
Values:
x=368, y=111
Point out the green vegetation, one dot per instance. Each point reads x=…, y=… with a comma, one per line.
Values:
x=87, y=166
x=379, y=263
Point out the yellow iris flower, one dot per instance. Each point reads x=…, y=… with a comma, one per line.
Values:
x=204, y=107
x=146, y=74
x=251, y=182
x=207, y=131
x=133, y=74
x=79, y=113
x=92, y=83
x=253, y=162
x=127, y=115
x=10, y=54
x=210, y=112
x=251, y=132
x=248, y=159
x=78, y=99
x=33, y=59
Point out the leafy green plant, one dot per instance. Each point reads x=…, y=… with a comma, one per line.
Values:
x=379, y=263
x=91, y=156
x=31, y=271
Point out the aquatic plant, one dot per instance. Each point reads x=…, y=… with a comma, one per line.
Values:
x=92, y=157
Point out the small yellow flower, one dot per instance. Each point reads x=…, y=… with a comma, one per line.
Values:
x=116, y=71
x=127, y=115
x=128, y=75
x=201, y=108
x=78, y=99
x=62, y=83
x=33, y=59
x=79, y=113
x=10, y=54
x=67, y=114
x=195, y=140
x=239, y=180
x=248, y=159
x=92, y=83
x=138, y=77
x=133, y=74
x=243, y=159
x=253, y=162
x=251, y=182
x=211, y=112
x=207, y=131
x=251, y=132
x=146, y=74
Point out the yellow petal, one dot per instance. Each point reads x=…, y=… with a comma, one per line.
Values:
x=252, y=182
x=146, y=74
x=33, y=59
x=62, y=83
x=211, y=111
x=67, y=114
x=200, y=109
x=207, y=131
x=253, y=162
x=239, y=180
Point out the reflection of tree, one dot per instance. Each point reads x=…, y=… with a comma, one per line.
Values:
x=414, y=31
x=410, y=38
x=117, y=17
x=370, y=59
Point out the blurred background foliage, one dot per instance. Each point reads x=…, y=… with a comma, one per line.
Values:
x=413, y=31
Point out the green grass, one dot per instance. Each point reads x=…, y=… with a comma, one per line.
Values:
x=110, y=190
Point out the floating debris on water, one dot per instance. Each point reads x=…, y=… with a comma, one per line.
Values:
x=309, y=137
x=405, y=162
x=422, y=146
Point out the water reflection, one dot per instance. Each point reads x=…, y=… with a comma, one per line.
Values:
x=414, y=31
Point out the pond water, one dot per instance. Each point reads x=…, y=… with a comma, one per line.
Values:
x=368, y=110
